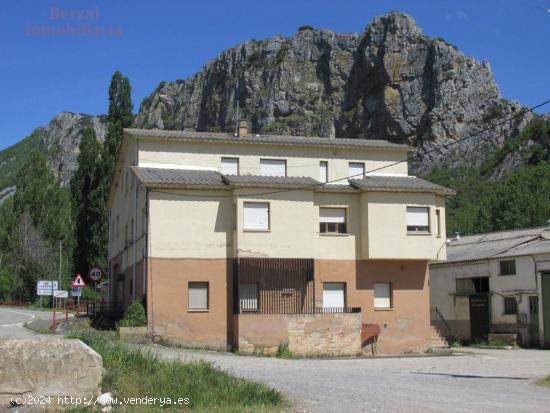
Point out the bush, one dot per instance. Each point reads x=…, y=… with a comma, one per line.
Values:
x=305, y=27
x=135, y=316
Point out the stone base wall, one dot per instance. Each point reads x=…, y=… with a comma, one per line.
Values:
x=304, y=334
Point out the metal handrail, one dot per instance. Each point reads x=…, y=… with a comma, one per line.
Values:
x=439, y=318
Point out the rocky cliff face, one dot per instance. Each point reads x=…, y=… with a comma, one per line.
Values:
x=59, y=140
x=389, y=82
x=61, y=137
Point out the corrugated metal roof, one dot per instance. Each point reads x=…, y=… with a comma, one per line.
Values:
x=399, y=183
x=178, y=177
x=499, y=244
x=259, y=180
x=186, y=135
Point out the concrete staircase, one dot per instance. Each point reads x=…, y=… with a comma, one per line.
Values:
x=438, y=343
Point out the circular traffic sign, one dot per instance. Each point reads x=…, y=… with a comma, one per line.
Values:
x=95, y=274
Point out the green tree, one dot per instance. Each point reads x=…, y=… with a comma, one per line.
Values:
x=87, y=208
x=120, y=116
x=32, y=225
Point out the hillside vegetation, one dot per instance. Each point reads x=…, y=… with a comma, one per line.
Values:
x=13, y=157
x=487, y=202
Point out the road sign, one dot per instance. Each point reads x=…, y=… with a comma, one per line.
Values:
x=60, y=294
x=45, y=287
x=78, y=281
x=76, y=291
x=95, y=274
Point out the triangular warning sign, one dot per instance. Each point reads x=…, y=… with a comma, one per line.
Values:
x=78, y=281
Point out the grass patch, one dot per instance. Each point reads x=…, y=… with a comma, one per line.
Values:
x=283, y=352
x=129, y=372
x=544, y=382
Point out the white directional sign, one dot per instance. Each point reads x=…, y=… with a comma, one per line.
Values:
x=45, y=287
x=61, y=294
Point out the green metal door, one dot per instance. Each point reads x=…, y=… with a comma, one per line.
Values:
x=546, y=308
x=534, y=321
x=480, y=317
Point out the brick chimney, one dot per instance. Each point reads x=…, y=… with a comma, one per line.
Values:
x=243, y=128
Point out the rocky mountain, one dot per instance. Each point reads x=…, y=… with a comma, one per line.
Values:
x=389, y=82
x=59, y=140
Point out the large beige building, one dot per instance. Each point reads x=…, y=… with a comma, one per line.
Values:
x=224, y=234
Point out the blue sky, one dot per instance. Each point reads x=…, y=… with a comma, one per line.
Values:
x=151, y=41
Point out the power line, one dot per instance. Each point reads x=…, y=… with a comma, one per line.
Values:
x=435, y=148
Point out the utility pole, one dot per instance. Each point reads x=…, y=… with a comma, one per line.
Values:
x=59, y=275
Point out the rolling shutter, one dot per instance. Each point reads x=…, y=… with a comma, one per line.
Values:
x=337, y=215
x=198, y=295
x=418, y=219
x=272, y=167
x=382, y=295
x=230, y=166
x=256, y=216
x=333, y=295
x=356, y=170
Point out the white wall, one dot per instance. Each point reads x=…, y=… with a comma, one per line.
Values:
x=522, y=285
x=300, y=161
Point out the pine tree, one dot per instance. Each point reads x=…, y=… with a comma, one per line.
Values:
x=86, y=208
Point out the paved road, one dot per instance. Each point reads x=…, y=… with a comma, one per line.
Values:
x=488, y=381
x=12, y=320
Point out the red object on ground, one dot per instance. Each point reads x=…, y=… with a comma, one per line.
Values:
x=369, y=333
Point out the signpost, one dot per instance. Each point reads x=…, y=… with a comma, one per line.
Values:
x=77, y=285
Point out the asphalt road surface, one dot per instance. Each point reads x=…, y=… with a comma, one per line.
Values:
x=12, y=320
x=483, y=381
x=497, y=381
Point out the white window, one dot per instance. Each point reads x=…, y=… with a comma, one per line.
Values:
x=382, y=295
x=356, y=170
x=334, y=295
x=230, y=166
x=256, y=216
x=272, y=167
x=248, y=294
x=332, y=220
x=418, y=219
x=323, y=171
x=198, y=296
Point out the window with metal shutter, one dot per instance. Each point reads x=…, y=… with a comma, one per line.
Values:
x=256, y=216
x=198, y=295
x=418, y=219
x=230, y=166
x=273, y=167
x=334, y=295
x=332, y=220
x=356, y=170
x=382, y=295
